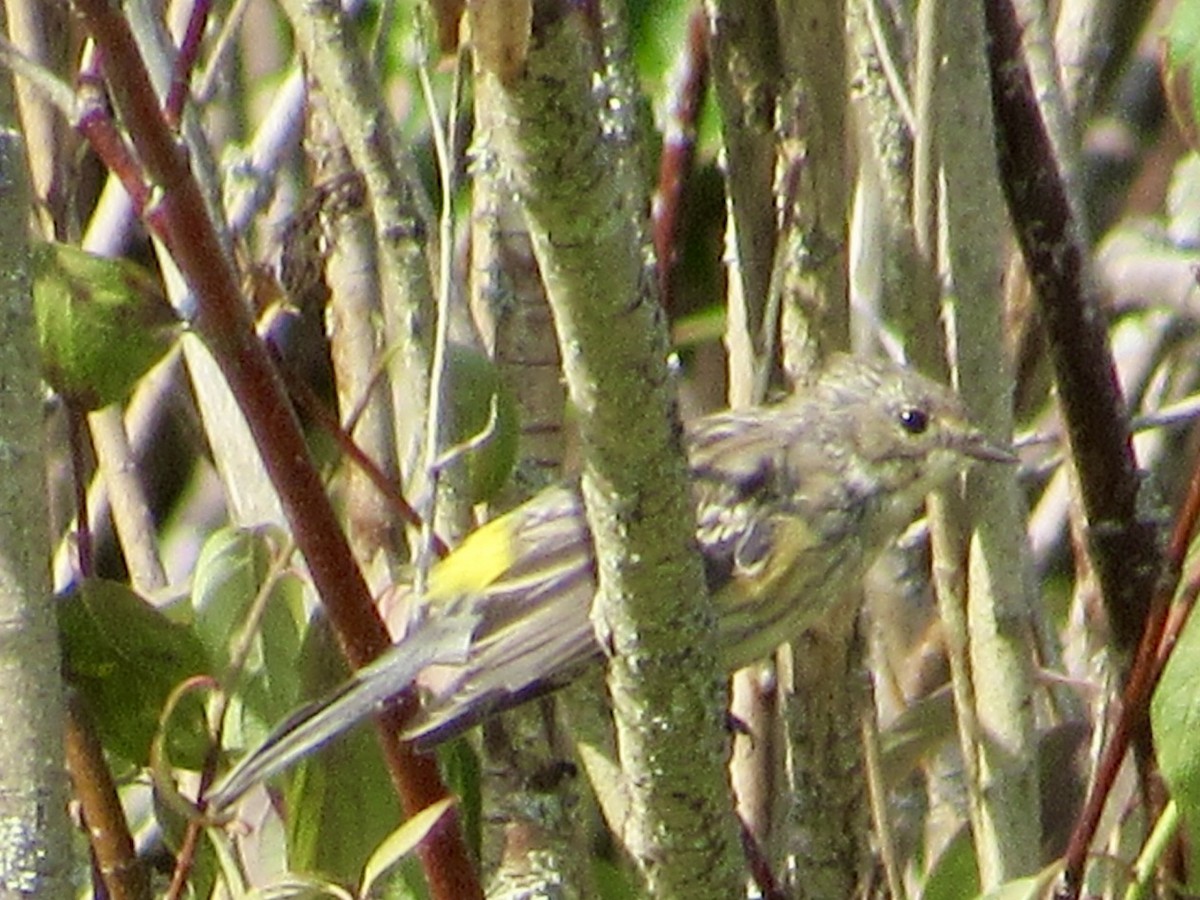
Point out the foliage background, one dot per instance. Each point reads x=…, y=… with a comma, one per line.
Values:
x=1003, y=196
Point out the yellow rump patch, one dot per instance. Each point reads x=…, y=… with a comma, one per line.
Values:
x=483, y=557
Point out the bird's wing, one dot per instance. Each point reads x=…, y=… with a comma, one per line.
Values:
x=736, y=464
x=534, y=630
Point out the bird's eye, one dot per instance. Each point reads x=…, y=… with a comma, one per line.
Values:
x=914, y=420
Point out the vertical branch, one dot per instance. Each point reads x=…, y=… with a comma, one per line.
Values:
x=589, y=237
x=1122, y=542
x=678, y=155
x=813, y=172
x=533, y=816
x=404, y=220
x=888, y=274
x=32, y=784
x=746, y=74
x=510, y=308
x=352, y=275
x=40, y=31
x=115, y=858
x=810, y=284
x=920, y=312
x=999, y=608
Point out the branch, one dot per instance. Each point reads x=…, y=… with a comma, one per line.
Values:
x=1122, y=541
x=223, y=321
x=586, y=220
x=37, y=843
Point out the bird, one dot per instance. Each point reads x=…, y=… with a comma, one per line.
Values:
x=793, y=503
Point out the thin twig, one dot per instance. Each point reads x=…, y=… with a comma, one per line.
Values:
x=455, y=452
x=443, y=141
x=887, y=60
x=189, y=50
x=877, y=792
x=52, y=88
x=388, y=487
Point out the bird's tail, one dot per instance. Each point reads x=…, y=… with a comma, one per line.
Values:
x=442, y=641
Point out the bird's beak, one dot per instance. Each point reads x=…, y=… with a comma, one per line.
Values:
x=978, y=447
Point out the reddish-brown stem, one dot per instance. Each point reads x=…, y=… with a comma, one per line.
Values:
x=1177, y=617
x=760, y=866
x=189, y=51
x=185, y=861
x=1163, y=627
x=1185, y=523
x=96, y=126
x=307, y=400
x=1122, y=542
x=124, y=876
x=1134, y=697
x=223, y=321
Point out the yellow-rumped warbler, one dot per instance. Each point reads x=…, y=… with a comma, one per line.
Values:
x=793, y=503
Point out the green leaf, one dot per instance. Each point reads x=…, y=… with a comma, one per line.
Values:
x=233, y=566
x=955, y=874
x=402, y=842
x=1182, y=76
x=463, y=775
x=1031, y=887
x=299, y=887
x=102, y=323
x=1175, y=722
x=657, y=29
x=921, y=730
x=473, y=383
x=125, y=656
x=340, y=800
